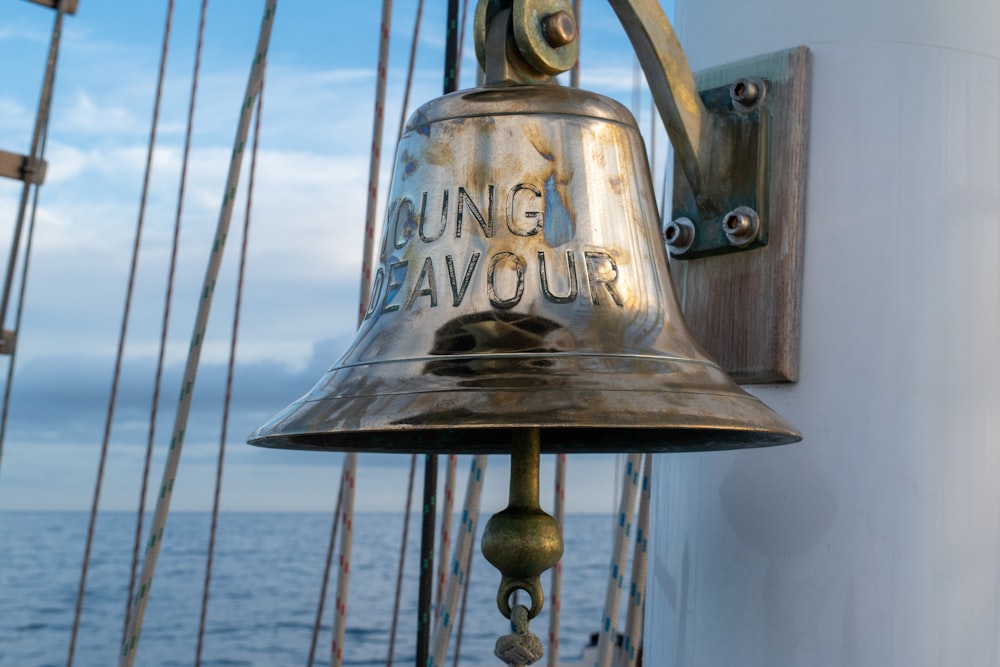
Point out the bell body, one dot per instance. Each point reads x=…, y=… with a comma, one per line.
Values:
x=522, y=282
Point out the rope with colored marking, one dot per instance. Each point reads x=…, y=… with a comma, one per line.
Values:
x=376, y=157
x=231, y=366
x=404, y=540
x=343, y=578
x=637, y=591
x=616, y=573
x=164, y=327
x=555, y=588
x=458, y=578
x=445, y=541
x=465, y=599
x=138, y=610
x=122, y=335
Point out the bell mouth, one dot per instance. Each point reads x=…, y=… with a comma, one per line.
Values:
x=468, y=404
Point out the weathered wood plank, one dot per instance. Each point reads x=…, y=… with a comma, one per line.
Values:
x=744, y=307
x=69, y=6
x=12, y=166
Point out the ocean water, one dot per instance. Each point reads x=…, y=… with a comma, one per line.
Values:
x=265, y=588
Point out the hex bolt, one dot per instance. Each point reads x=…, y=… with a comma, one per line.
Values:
x=746, y=94
x=679, y=235
x=559, y=29
x=742, y=226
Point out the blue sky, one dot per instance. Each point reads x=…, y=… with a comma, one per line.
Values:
x=305, y=243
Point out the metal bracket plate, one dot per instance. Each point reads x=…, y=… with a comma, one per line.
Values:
x=744, y=306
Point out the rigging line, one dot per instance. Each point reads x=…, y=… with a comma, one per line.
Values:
x=343, y=576
x=461, y=40
x=465, y=599
x=19, y=312
x=459, y=561
x=409, y=71
x=574, y=74
x=426, y=581
x=402, y=559
x=317, y=625
x=122, y=334
x=240, y=280
x=128, y=653
x=445, y=536
x=616, y=573
x=350, y=464
x=555, y=588
x=35, y=157
x=37, y=151
x=637, y=592
x=376, y=158
x=168, y=298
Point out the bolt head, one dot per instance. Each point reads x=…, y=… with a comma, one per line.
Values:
x=559, y=29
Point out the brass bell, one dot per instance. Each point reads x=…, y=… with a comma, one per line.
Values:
x=523, y=283
x=522, y=301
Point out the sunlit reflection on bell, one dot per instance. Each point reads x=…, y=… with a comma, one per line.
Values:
x=522, y=282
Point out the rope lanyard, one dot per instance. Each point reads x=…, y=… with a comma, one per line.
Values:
x=194, y=354
x=616, y=573
x=164, y=327
x=637, y=591
x=122, y=335
x=459, y=562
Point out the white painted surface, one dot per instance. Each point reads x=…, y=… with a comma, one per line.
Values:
x=876, y=541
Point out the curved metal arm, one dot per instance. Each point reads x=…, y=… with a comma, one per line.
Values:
x=670, y=81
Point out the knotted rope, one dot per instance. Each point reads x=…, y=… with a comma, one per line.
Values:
x=521, y=647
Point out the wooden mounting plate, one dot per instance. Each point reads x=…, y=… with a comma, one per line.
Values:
x=744, y=307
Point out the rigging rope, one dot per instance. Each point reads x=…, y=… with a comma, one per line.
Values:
x=35, y=159
x=350, y=463
x=637, y=591
x=446, y=511
x=616, y=573
x=409, y=71
x=555, y=588
x=122, y=335
x=459, y=563
x=240, y=279
x=168, y=298
x=402, y=559
x=37, y=151
x=343, y=578
x=413, y=458
x=138, y=610
x=465, y=599
x=326, y=575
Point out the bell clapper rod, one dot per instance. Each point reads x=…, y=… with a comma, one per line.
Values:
x=522, y=541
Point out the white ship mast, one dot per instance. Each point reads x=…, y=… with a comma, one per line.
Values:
x=876, y=540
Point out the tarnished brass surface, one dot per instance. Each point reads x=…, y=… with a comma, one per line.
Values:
x=522, y=541
x=523, y=283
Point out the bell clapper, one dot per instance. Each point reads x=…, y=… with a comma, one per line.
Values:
x=522, y=541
